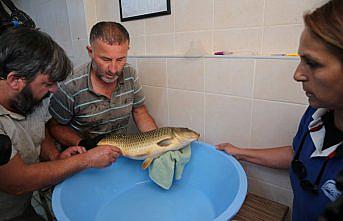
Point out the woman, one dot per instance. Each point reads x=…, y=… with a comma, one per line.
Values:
x=313, y=159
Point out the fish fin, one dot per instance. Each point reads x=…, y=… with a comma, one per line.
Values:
x=147, y=163
x=165, y=142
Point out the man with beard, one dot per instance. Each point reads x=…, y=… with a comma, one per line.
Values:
x=101, y=96
x=31, y=64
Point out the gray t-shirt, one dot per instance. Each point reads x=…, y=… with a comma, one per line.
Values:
x=26, y=135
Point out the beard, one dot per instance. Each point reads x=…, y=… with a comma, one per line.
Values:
x=24, y=103
x=104, y=76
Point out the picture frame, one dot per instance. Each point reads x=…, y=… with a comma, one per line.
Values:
x=139, y=9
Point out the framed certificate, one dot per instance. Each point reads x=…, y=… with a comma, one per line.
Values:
x=138, y=9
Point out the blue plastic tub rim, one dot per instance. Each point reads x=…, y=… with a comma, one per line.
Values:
x=237, y=202
x=229, y=212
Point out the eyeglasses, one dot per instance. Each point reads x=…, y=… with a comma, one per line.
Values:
x=300, y=170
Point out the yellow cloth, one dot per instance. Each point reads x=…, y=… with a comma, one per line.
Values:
x=163, y=168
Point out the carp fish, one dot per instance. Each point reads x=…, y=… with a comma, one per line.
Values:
x=149, y=145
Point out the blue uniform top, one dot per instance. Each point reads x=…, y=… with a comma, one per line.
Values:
x=306, y=205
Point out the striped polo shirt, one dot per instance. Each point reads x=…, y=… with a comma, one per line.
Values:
x=90, y=114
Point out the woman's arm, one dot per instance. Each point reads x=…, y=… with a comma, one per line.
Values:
x=278, y=157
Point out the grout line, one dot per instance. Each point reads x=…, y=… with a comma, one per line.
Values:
x=212, y=29
x=204, y=100
x=167, y=90
x=252, y=103
x=174, y=34
x=263, y=27
x=145, y=38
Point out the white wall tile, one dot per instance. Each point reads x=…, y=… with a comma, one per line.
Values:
x=281, y=39
x=157, y=104
x=61, y=24
x=80, y=52
x=275, y=124
x=274, y=81
x=270, y=191
x=160, y=25
x=276, y=177
x=200, y=41
x=137, y=46
x=67, y=46
x=229, y=76
x=233, y=13
x=23, y=5
x=187, y=74
x=159, y=44
x=133, y=62
x=227, y=119
x=186, y=109
x=152, y=71
x=136, y=28
x=90, y=14
x=41, y=12
x=193, y=15
x=77, y=19
x=240, y=41
x=275, y=11
x=105, y=10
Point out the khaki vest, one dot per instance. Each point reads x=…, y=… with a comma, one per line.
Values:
x=26, y=135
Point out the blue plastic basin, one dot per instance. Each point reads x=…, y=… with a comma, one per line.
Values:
x=213, y=187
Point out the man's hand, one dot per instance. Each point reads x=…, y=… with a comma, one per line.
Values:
x=73, y=150
x=102, y=156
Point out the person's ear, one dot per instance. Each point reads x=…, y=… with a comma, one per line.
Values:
x=15, y=82
x=90, y=51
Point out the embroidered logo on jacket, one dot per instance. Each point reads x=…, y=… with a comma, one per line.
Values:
x=330, y=190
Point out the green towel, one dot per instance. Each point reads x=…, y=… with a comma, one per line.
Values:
x=163, y=168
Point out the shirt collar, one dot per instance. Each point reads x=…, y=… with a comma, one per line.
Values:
x=15, y=116
x=317, y=133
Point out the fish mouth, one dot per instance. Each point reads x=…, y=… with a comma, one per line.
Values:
x=196, y=137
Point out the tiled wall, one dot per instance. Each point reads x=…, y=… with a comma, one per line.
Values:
x=242, y=26
x=247, y=100
x=64, y=20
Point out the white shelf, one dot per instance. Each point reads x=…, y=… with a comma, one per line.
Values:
x=264, y=57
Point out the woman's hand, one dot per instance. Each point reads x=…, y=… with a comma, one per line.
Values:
x=230, y=149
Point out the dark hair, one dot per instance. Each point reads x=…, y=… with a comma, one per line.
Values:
x=109, y=32
x=326, y=23
x=28, y=51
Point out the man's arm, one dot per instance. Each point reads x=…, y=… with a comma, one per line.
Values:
x=143, y=119
x=48, y=148
x=17, y=178
x=278, y=157
x=63, y=134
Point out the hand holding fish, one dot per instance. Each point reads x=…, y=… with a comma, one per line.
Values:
x=73, y=150
x=102, y=156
